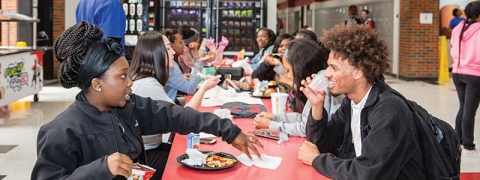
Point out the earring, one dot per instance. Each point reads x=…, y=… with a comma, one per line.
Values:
x=99, y=89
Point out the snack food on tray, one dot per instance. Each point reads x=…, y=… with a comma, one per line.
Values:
x=215, y=161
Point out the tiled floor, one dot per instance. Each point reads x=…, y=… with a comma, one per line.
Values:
x=20, y=128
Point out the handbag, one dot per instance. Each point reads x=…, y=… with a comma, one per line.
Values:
x=234, y=73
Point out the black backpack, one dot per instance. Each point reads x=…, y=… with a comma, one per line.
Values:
x=359, y=21
x=438, y=142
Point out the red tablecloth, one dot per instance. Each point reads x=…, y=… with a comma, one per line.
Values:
x=290, y=168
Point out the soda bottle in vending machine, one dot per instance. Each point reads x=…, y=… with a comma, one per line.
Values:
x=125, y=8
x=132, y=25
x=139, y=10
x=139, y=26
x=132, y=10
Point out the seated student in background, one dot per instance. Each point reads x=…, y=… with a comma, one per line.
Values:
x=263, y=46
x=98, y=136
x=303, y=59
x=191, y=39
x=305, y=34
x=176, y=80
x=265, y=70
x=338, y=148
x=149, y=70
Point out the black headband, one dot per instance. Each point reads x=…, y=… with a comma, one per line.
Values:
x=98, y=59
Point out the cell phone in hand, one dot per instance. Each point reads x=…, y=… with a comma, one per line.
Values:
x=207, y=141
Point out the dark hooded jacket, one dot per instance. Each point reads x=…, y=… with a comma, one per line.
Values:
x=390, y=148
x=74, y=145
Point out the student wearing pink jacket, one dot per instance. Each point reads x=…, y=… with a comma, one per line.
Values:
x=466, y=73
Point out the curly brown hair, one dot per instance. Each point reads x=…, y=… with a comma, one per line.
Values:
x=361, y=47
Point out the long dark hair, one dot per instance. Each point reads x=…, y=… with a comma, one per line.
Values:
x=306, y=58
x=150, y=58
x=472, y=11
x=170, y=34
x=270, y=34
x=279, y=40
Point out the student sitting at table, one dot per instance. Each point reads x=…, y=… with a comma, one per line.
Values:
x=265, y=70
x=177, y=81
x=302, y=59
x=264, y=46
x=372, y=135
x=191, y=39
x=149, y=70
x=98, y=136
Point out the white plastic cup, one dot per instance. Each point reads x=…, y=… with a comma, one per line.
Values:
x=279, y=101
x=319, y=82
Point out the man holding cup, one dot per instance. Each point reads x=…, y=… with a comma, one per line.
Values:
x=372, y=135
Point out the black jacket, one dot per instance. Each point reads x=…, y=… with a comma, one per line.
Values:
x=390, y=150
x=264, y=72
x=74, y=144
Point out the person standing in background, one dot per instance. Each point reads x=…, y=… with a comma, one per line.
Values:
x=457, y=19
x=367, y=20
x=466, y=74
x=353, y=16
x=108, y=15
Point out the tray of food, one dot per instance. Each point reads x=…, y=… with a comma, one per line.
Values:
x=265, y=91
x=215, y=161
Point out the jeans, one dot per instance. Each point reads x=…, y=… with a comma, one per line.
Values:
x=468, y=90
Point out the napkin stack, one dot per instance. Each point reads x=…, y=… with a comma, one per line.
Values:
x=268, y=162
x=195, y=157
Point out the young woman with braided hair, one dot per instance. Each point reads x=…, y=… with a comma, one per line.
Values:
x=98, y=136
x=466, y=73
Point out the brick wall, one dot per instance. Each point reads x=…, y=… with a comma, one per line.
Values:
x=418, y=57
x=10, y=5
x=58, y=27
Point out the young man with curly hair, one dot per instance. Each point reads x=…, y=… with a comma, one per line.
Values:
x=372, y=135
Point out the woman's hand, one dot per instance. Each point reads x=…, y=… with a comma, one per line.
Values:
x=243, y=142
x=261, y=122
x=209, y=57
x=307, y=152
x=210, y=82
x=119, y=164
x=265, y=115
x=271, y=61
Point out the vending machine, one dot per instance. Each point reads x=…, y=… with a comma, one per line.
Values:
x=196, y=14
x=140, y=18
x=239, y=21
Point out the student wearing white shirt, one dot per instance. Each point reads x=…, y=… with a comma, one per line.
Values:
x=372, y=135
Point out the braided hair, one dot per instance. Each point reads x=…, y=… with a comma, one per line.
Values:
x=472, y=11
x=83, y=55
x=70, y=49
